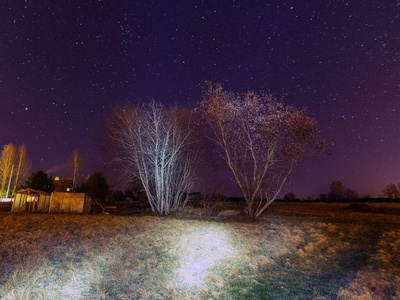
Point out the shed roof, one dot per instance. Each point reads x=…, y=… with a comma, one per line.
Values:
x=32, y=192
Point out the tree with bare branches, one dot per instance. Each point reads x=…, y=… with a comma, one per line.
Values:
x=391, y=191
x=6, y=167
x=153, y=145
x=261, y=140
x=22, y=167
x=74, y=166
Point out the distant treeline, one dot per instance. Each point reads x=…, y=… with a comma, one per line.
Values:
x=198, y=197
x=347, y=200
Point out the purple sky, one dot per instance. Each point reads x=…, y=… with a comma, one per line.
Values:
x=64, y=63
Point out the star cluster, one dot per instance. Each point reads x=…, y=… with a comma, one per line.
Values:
x=63, y=64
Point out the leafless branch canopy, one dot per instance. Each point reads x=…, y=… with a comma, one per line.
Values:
x=152, y=144
x=261, y=139
x=74, y=166
x=7, y=159
x=14, y=167
x=22, y=167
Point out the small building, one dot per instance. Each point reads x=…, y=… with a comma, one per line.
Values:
x=31, y=201
x=62, y=184
x=69, y=203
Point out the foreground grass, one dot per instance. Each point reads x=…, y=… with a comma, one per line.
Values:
x=46, y=256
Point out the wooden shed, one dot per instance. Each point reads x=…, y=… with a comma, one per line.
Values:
x=69, y=203
x=31, y=201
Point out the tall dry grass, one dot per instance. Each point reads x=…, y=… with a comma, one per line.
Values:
x=381, y=278
x=46, y=256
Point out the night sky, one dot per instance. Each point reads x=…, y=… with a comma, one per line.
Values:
x=63, y=64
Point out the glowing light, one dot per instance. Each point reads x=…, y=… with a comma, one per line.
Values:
x=203, y=249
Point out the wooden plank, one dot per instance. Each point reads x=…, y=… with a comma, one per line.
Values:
x=112, y=209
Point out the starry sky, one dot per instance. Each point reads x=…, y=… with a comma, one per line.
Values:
x=63, y=64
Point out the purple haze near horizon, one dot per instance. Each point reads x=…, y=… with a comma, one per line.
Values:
x=65, y=63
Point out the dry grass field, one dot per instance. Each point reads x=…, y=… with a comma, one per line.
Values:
x=296, y=251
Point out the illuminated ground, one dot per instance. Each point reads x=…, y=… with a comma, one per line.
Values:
x=344, y=254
